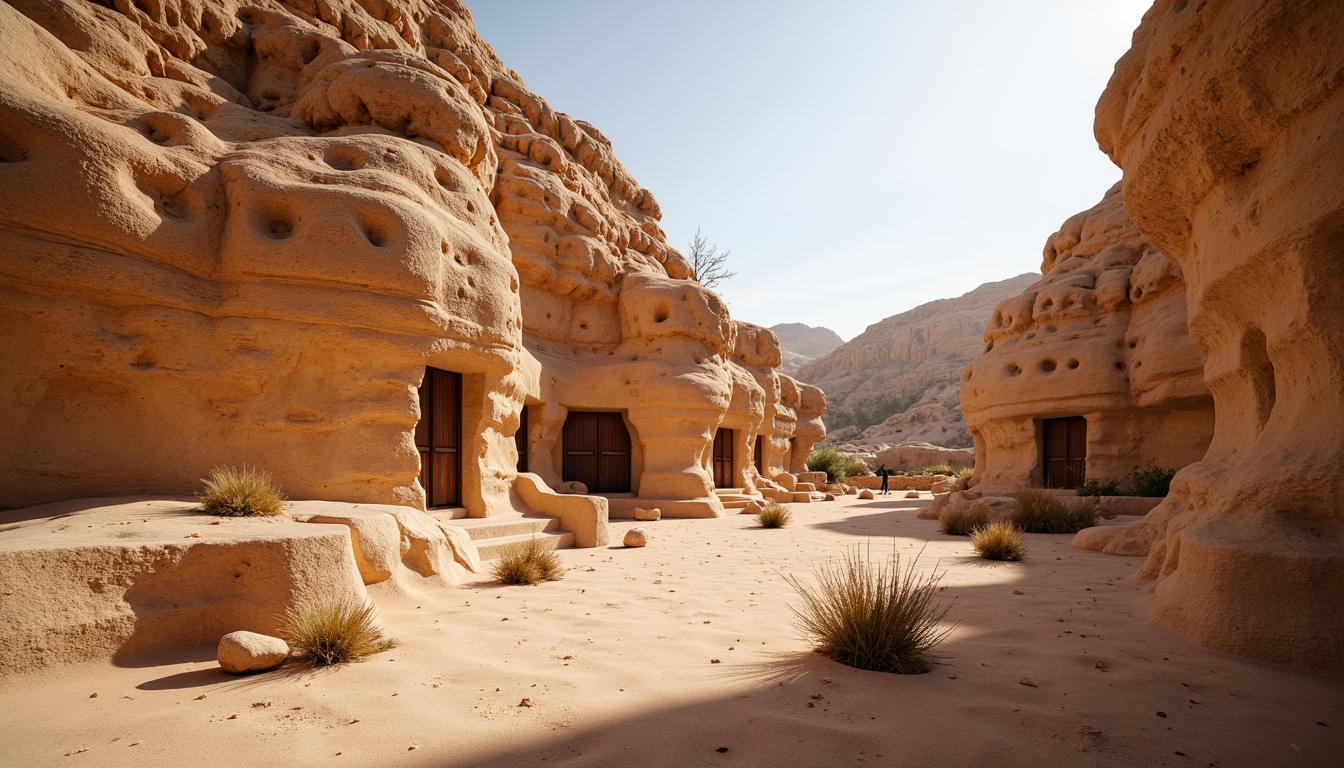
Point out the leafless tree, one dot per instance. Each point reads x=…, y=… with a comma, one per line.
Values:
x=711, y=266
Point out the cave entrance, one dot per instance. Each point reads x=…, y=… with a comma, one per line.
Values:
x=757, y=456
x=597, y=451
x=1064, y=452
x=723, y=458
x=520, y=440
x=438, y=436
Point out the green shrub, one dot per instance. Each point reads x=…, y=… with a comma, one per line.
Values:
x=960, y=520
x=774, y=515
x=877, y=617
x=531, y=562
x=1037, y=511
x=1099, y=488
x=246, y=492
x=965, y=472
x=835, y=464
x=935, y=469
x=1150, y=480
x=334, y=633
x=999, y=540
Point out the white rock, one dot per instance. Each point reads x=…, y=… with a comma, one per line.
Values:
x=635, y=537
x=242, y=652
x=648, y=514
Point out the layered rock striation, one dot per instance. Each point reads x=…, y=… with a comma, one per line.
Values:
x=1227, y=118
x=1101, y=336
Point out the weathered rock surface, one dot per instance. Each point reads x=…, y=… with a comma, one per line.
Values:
x=1227, y=118
x=897, y=381
x=647, y=514
x=635, y=537
x=1101, y=335
x=242, y=652
x=800, y=344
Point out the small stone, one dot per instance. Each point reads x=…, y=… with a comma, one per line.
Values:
x=830, y=497
x=1088, y=730
x=1160, y=713
x=234, y=716
x=912, y=494
x=1027, y=682
x=636, y=537
x=1100, y=664
x=753, y=508
x=526, y=703
x=648, y=514
x=93, y=695
x=1018, y=592
x=242, y=652
x=721, y=749
x=714, y=661
x=866, y=494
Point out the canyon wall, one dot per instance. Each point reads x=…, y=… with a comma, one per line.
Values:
x=239, y=231
x=1101, y=335
x=1227, y=118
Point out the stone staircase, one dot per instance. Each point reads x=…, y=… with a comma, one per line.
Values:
x=733, y=498
x=495, y=534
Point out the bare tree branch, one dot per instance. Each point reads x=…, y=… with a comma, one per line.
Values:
x=710, y=266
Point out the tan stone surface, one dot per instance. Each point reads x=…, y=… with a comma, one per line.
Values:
x=1101, y=335
x=1228, y=121
x=242, y=652
x=898, y=379
x=635, y=537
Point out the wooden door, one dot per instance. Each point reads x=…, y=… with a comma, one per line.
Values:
x=520, y=440
x=723, y=458
x=597, y=451
x=1064, y=452
x=438, y=436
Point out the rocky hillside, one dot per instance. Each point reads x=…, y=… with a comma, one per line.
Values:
x=898, y=380
x=801, y=344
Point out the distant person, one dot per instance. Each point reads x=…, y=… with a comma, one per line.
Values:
x=884, y=473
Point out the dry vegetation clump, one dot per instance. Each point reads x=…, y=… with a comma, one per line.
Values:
x=879, y=617
x=246, y=492
x=1038, y=511
x=774, y=515
x=530, y=563
x=334, y=633
x=837, y=466
x=999, y=540
x=960, y=520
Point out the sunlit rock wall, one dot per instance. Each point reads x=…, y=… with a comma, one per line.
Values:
x=1227, y=118
x=1101, y=335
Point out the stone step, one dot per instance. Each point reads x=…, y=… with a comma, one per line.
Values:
x=494, y=548
x=508, y=524
x=801, y=497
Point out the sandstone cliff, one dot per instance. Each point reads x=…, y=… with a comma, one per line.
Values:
x=897, y=381
x=801, y=344
x=1227, y=118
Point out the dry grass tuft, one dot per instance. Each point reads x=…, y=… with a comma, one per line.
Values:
x=334, y=633
x=528, y=563
x=774, y=515
x=1037, y=511
x=960, y=520
x=878, y=617
x=999, y=540
x=246, y=492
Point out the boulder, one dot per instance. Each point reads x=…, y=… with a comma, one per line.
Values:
x=243, y=652
x=866, y=494
x=635, y=537
x=647, y=514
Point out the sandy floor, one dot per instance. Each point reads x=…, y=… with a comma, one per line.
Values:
x=1053, y=662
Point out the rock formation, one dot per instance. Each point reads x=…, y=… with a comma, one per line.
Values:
x=1227, y=118
x=1102, y=335
x=800, y=344
x=240, y=232
x=897, y=381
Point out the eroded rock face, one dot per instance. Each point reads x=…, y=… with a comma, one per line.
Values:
x=1227, y=118
x=239, y=233
x=1101, y=335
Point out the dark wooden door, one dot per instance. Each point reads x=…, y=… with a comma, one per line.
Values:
x=723, y=458
x=438, y=436
x=597, y=451
x=757, y=454
x=520, y=440
x=1064, y=451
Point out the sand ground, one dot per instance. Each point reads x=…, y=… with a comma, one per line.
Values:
x=1053, y=661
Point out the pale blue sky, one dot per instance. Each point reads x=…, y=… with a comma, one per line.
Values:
x=858, y=157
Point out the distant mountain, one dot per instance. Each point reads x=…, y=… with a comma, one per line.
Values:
x=802, y=344
x=899, y=380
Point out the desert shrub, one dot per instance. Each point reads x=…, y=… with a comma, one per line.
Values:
x=835, y=464
x=999, y=540
x=1036, y=511
x=334, y=633
x=246, y=492
x=1099, y=488
x=965, y=472
x=879, y=617
x=935, y=469
x=774, y=515
x=960, y=520
x=531, y=562
x=1150, y=480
